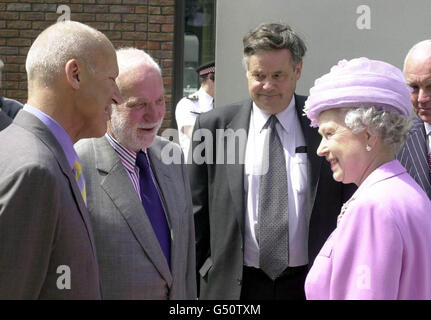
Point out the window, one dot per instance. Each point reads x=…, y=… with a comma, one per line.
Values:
x=199, y=40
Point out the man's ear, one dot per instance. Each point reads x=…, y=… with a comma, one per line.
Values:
x=298, y=71
x=73, y=73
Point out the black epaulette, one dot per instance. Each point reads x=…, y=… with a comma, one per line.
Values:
x=193, y=97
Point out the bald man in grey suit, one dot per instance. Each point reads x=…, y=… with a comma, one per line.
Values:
x=137, y=260
x=46, y=243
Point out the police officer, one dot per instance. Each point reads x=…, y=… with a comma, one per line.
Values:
x=188, y=108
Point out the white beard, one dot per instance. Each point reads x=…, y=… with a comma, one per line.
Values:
x=124, y=134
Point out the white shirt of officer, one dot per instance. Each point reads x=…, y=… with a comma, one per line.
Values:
x=188, y=108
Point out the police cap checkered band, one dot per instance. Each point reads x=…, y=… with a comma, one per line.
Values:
x=206, y=68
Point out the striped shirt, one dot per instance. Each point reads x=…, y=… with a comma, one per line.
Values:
x=128, y=159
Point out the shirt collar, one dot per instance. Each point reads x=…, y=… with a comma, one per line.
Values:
x=58, y=131
x=285, y=117
x=427, y=128
x=203, y=95
x=127, y=156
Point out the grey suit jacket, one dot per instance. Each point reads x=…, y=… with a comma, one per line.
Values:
x=414, y=155
x=45, y=234
x=132, y=264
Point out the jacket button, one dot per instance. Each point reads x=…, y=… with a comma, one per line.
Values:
x=239, y=281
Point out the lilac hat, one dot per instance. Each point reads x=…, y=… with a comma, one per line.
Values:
x=356, y=82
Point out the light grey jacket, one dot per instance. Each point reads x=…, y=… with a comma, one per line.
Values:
x=132, y=264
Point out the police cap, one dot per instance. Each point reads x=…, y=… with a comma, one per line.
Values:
x=206, y=68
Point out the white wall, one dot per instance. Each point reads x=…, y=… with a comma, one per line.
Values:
x=332, y=29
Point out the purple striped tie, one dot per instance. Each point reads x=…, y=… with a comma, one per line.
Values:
x=153, y=206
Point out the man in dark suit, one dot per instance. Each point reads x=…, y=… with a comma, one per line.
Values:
x=416, y=152
x=5, y=120
x=46, y=244
x=8, y=107
x=145, y=241
x=256, y=237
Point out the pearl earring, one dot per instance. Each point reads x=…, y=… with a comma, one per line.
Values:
x=368, y=147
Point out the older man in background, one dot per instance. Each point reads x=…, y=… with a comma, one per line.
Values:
x=140, y=206
x=415, y=156
x=46, y=243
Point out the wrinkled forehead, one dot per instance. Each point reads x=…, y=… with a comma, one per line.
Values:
x=418, y=75
x=141, y=83
x=418, y=61
x=270, y=61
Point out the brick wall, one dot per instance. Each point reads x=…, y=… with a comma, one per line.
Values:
x=145, y=24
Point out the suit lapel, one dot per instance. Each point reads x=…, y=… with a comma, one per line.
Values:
x=37, y=127
x=312, y=139
x=235, y=172
x=120, y=190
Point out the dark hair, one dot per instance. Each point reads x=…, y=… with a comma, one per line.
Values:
x=273, y=36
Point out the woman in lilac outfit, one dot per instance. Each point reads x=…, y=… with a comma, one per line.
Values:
x=381, y=248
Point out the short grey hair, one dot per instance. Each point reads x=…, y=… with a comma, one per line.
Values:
x=129, y=61
x=58, y=44
x=273, y=36
x=389, y=125
x=130, y=58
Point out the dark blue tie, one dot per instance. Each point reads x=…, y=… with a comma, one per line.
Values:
x=153, y=206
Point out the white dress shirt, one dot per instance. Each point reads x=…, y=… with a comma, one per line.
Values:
x=187, y=111
x=290, y=133
x=428, y=133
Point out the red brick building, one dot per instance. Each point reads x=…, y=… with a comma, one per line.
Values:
x=157, y=26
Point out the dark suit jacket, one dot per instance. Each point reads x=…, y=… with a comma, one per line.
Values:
x=10, y=107
x=132, y=263
x=414, y=155
x=5, y=120
x=218, y=202
x=45, y=233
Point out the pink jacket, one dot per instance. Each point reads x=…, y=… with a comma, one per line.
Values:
x=381, y=248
